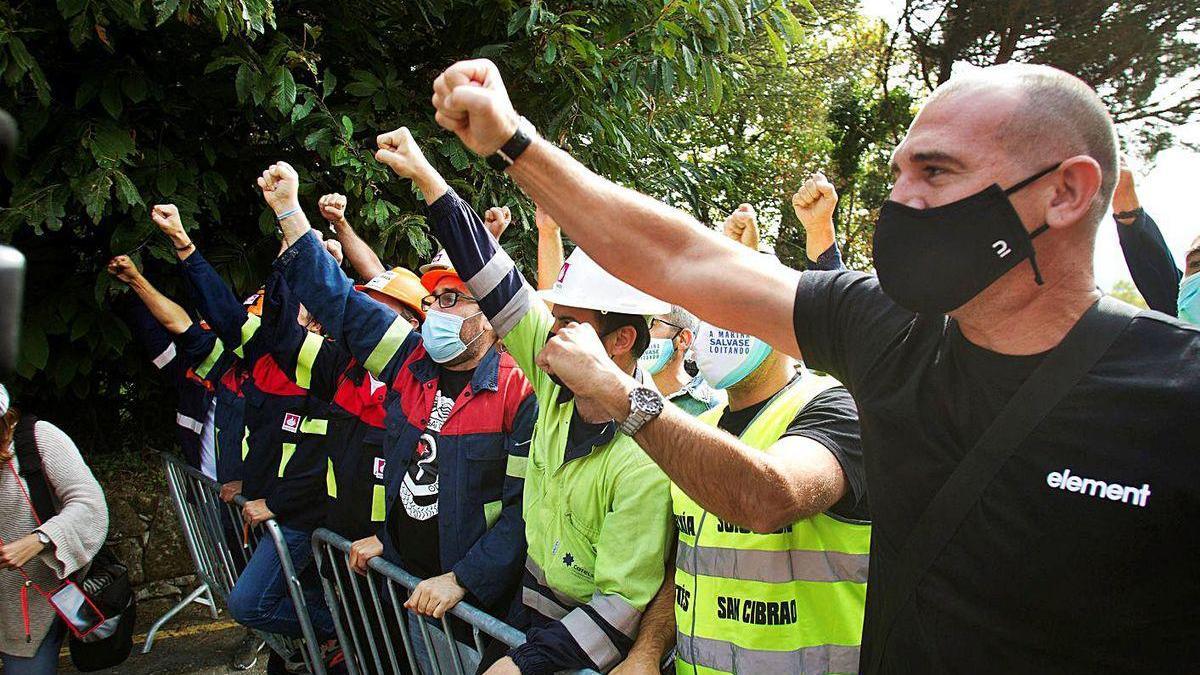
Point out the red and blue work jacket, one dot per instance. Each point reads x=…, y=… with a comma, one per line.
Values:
x=483, y=446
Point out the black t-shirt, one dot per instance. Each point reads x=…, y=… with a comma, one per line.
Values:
x=414, y=524
x=1081, y=554
x=830, y=419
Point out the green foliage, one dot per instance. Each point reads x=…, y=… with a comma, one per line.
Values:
x=127, y=103
x=821, y=107
x=1123, y=289
x=1141, y=56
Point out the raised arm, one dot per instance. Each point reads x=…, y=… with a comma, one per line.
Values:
x=508, y=301
x=549, y=250
x=166, y=311
x=814, y=203
x=629, y=234
x=362, y=258
x=216, y=301
x=1146, y=253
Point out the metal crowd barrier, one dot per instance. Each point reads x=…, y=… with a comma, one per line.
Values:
x=368, y=612
x=221, y=549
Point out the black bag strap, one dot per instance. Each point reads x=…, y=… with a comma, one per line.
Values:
x=1058, y=374
x=30, y=459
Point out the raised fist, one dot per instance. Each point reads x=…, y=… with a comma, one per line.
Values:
x=332, y=207
x=742, y=226
x=496, y=220
x=166, y=217
x=400, y=151
x=814, y=202
x=123, y=268
x=471, y=101
x=334, y=247
x=280, y=185
x=1125, y=195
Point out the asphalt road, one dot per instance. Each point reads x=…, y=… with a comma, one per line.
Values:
x=195, y=646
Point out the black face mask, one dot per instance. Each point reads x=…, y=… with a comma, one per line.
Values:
x=932, y=261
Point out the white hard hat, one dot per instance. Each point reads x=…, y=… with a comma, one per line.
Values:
x=583, y=283
x=441, y=261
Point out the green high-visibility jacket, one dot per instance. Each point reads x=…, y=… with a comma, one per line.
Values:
x=790, y=601
x=597, y=519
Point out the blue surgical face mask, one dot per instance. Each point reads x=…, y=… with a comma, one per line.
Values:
x=657, y=355
x=1189, y=299
x=442, y=335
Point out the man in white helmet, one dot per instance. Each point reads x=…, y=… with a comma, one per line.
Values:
x=597, y=509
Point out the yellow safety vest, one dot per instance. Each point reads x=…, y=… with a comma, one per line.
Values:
x=790, y=601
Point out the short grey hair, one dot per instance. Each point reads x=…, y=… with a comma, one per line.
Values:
x=1060, y=116
x=679, y=316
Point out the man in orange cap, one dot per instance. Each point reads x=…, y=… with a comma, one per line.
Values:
x=459, y=416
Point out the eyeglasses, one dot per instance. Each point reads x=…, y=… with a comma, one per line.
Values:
x=445, y=300
x=678, y=329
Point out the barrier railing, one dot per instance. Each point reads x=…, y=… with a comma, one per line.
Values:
x=369, y=616
x=220, y=549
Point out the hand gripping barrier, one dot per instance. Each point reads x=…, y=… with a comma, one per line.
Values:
x=373, y=626
x=220, y=549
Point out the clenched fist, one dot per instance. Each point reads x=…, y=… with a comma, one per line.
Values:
x=496, y=220
x=123, y=268
x=399, y=150
x=1125, y=196
x=280, y=185
x=471, y=101
x=166, y=217
x=334, y=247
x=332, y=207
x=742, y=226
x=814, y=202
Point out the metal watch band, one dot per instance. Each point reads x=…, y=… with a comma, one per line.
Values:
x=513, y=147
x=634, y=423
x=640, y=414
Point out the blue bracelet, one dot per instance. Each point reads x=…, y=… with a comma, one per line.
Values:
x=288, y=214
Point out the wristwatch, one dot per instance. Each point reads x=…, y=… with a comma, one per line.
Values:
x=44, y=538
x=644, y=405
x=513, y=147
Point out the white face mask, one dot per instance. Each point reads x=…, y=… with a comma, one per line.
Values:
x=725, y=357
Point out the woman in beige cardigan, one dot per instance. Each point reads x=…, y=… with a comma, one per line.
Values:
x=49, y=552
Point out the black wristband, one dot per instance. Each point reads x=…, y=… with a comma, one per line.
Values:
x=1128, y=214
x=184, y=248
x=512, y=148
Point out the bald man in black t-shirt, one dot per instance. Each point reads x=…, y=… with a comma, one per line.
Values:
x=1078, y=557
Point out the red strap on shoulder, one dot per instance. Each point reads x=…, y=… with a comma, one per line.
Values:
x=25, y=493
